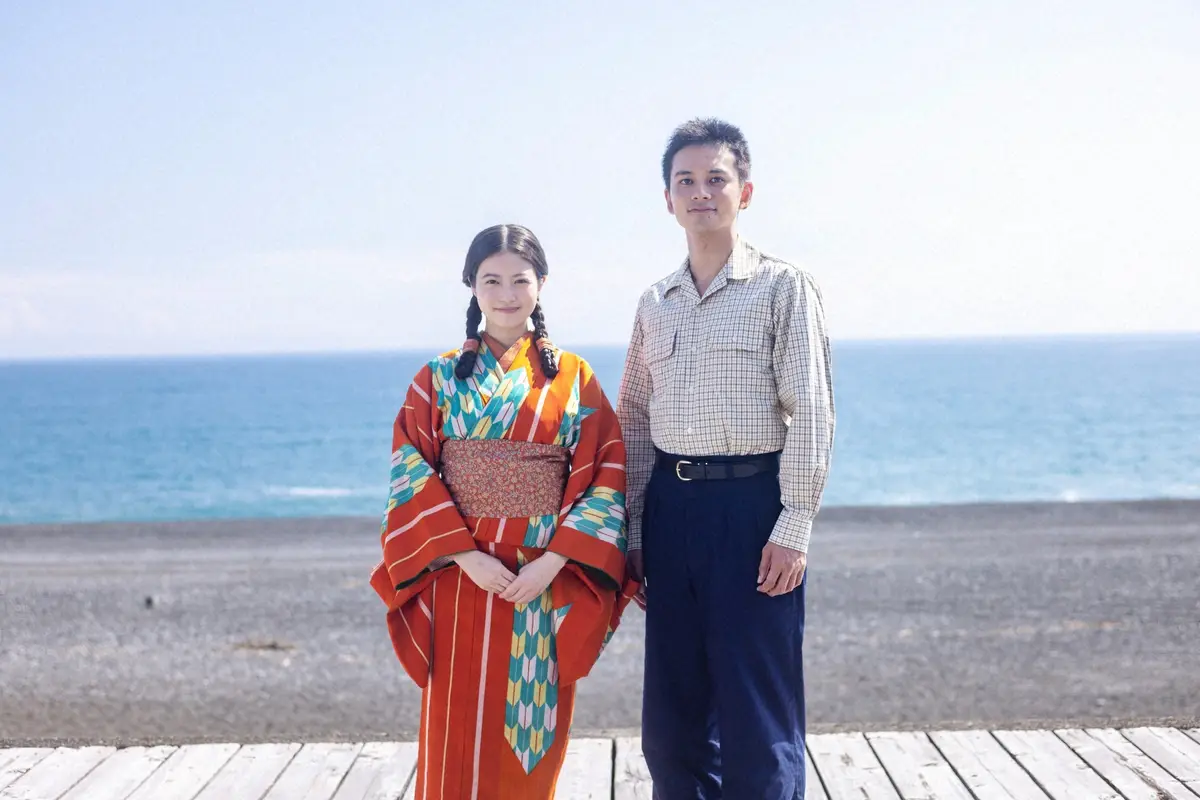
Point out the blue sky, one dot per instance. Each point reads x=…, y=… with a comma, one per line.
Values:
x=307, y=176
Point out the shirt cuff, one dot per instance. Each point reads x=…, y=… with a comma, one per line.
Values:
x=633, y=531
x=792, y=530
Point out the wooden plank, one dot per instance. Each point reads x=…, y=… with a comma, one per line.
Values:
x=16, y=762
x=1060, y=772
x=587, y=771
x=382, y=771
x=120, y=774
x=250, y=773
x=917, y=769
x=1174, y=752
x=315, y=772
x=56, y=773
x=985, y=766
x=186, y=772
x=813, y=788
x=1131, y=771
x=631, y=776
x=849, y=767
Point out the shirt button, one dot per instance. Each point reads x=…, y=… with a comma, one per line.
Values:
x=689, y=431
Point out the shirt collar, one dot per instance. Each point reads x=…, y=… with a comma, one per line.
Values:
x=743, y=261
x=742, y=264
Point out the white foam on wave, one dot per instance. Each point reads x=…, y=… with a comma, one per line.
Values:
x=319, y=491
x=1070, y=496
x=904, y=499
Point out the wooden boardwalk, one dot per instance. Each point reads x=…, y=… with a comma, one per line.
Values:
x=1135, y=764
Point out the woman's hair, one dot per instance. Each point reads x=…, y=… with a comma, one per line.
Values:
x=491, y=241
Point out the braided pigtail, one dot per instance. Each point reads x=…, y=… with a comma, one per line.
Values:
x=470, y=348
x=541, y=340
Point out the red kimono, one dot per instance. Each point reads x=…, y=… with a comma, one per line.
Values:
x=472, y=461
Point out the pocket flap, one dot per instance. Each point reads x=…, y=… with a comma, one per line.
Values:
x=739, y=338
x=659, y=347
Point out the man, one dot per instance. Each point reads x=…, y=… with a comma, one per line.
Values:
x=728, y=417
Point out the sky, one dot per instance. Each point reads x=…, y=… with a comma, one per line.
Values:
x=225, y=177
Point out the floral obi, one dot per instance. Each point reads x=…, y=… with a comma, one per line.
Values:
x=500, y=478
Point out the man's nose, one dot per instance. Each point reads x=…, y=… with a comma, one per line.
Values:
x=701, y=192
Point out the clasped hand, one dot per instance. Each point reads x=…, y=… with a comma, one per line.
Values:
x=489, y=573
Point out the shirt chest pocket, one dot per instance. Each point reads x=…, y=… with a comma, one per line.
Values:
x=659, y=354
x=740, y=355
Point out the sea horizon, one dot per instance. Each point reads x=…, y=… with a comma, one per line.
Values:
x=836, y=341
x=921, y=423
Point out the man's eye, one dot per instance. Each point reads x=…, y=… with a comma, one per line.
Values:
x=718, y=180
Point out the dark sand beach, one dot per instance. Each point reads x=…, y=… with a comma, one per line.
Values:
x=266, y=630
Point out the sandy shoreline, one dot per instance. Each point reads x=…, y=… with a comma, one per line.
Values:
x=1007, y=615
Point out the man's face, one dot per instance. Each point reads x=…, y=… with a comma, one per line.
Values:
x=705, y=194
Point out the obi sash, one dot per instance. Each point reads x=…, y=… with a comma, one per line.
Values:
x=500, y=478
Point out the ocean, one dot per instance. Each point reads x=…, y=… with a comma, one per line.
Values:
x=930, y=422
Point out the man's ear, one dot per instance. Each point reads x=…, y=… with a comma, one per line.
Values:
x=747, y=194
x=670, y=205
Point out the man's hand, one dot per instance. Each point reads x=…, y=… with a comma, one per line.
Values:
x=635, y=568
x=485, y=571
x=780, y=570
x=534, y=578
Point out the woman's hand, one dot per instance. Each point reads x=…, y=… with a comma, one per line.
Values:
x=485, y=571
x=534, y=578
x=635, y=569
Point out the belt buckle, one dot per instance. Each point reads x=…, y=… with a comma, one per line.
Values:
x=679, y=464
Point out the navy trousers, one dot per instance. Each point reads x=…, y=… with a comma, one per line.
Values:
x=723, y=699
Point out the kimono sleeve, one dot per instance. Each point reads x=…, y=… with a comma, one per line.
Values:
x=591, y=529
x=421, y=523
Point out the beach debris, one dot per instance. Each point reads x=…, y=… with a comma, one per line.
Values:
x=149, y=601
x=268, y=645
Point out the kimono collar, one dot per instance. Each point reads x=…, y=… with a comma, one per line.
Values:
x=505, y=357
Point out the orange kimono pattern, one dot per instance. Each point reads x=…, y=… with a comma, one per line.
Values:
x=498, y=680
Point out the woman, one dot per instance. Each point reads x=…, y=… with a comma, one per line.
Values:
x=504, y=537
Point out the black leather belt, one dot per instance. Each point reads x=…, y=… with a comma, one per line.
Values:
x=727, y=468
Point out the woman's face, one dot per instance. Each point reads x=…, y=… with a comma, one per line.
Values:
x=506, y=286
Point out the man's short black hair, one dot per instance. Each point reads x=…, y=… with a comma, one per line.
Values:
x=708, y=131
